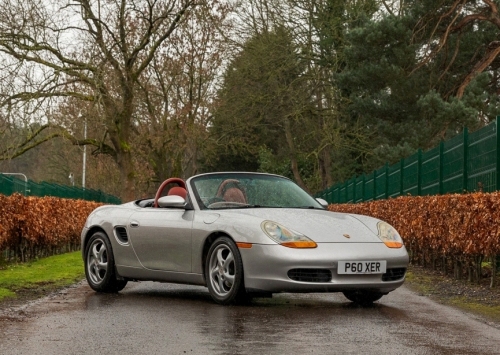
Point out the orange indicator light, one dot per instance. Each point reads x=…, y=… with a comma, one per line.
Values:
x=300, y=244
x=244, y=245
x=392, y=244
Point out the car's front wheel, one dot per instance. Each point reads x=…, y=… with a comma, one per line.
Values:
x=100, y=265
x=363, y=297
x=224, y=272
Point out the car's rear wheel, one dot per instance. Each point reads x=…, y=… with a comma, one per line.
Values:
x=100, y=265
x=224, y=272
x=363, y=297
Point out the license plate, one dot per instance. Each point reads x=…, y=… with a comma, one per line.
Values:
x=362, y=267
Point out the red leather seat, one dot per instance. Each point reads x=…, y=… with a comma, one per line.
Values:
x=179, y=191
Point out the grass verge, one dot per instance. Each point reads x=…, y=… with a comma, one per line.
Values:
x=41, y=276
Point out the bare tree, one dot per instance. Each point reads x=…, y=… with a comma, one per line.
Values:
x=93, y=51
x=178, y=98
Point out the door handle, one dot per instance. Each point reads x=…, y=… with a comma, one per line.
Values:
x=134, y=224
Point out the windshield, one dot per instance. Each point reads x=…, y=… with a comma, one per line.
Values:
x=245, y=190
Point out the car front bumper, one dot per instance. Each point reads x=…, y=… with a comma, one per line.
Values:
x=267, y=267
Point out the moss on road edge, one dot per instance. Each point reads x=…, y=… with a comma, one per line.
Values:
x=477, y=299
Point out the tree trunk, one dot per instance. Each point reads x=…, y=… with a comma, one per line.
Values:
x=127, y=176
x=119, y=118
x=479, y=267
x=327, y=168
x=293, y=159
x=325, y=159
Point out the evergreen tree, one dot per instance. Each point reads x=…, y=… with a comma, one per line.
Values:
x=263, y=106
x=406, y=102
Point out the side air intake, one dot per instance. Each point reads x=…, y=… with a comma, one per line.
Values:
x=121, y=235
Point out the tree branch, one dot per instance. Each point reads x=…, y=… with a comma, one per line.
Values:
x=387, y=8
x=162, y=38
x=488, y=58
x=34, y=139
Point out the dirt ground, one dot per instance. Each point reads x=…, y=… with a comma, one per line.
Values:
x=478, y=299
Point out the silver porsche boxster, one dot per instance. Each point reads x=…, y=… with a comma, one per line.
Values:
x=242, y=235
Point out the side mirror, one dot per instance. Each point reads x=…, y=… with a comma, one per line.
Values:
x=322, y=202
x=172, y=201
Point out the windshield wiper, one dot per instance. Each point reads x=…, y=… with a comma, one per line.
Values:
x=308, y=207
x=251, y=206
x=242, y=207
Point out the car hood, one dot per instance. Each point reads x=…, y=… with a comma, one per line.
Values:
x=320, y=225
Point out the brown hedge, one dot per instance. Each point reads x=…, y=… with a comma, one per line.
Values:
x=30, y=226
x=460, y=227
x=447, y=225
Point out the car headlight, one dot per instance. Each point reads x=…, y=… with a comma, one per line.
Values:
x=389, y=235
x=286, y=237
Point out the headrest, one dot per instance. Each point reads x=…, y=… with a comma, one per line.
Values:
x=179, y=191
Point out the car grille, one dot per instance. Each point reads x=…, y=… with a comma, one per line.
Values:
x=310, y=275
x=121, y=234
x=394, y=274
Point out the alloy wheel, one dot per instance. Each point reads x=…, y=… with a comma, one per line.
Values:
x=222, y=270
x=97, y=261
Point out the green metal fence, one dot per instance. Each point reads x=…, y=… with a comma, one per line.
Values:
x=467, y=162
x=11, y=184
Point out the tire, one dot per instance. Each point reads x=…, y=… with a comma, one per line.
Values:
x=224, y=272
x=100, y=265
x=364, y=298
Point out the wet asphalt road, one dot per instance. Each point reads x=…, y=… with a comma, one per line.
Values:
x=154, y=318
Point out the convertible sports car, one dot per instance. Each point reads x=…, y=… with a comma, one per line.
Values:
x=242, y=235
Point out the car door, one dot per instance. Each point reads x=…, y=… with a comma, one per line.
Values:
x=161, y=238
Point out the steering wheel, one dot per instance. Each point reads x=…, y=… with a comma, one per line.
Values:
x=177, y=181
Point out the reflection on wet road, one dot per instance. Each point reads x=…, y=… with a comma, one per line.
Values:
x=153, y=318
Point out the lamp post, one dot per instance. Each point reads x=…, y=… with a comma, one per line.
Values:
x=84, y=153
